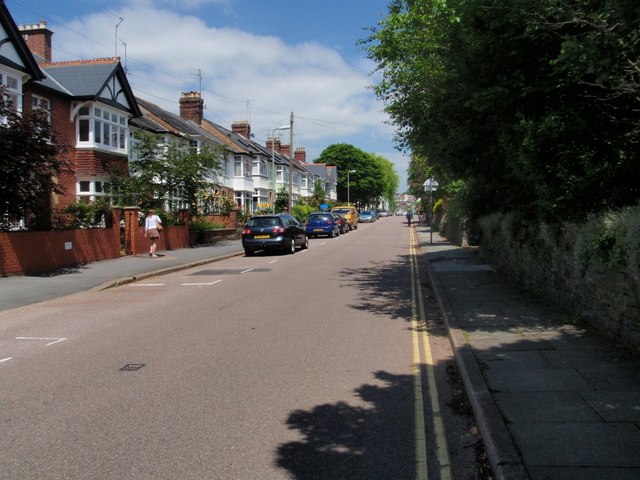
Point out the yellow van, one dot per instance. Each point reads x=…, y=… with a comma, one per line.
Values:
x=350, y=214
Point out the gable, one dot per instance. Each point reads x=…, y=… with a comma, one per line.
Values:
x=14, y=52
x=100, y=80
x=113, y=93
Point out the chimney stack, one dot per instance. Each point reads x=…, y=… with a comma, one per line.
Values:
x=300, y=155
x=242, y=128
x=192, y=107
x=38, y=39
x=274, y=144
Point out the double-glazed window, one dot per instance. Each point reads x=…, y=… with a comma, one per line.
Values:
x=12, y=93
x=93, y=189
x=102, y=128
x=242, y=167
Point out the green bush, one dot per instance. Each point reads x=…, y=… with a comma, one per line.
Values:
x=83, y=214
x=203, y=225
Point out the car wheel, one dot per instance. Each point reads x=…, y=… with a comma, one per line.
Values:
x=305, y=244
x=248, y=252
x=332, y=234
x=292, y=246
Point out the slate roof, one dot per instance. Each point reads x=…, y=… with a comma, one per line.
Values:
x=161, y=120
x=86, y=79
x=322, y=170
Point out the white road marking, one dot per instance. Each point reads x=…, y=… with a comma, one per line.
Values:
x=2, y=360
x=200, y=284
x=55, y=339
x=248, y=270
x=273, y=261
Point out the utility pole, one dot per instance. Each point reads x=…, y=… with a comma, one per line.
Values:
x=291, y=155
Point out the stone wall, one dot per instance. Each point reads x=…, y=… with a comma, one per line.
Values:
x=607, y=299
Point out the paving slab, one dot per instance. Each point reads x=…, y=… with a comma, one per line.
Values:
x=553, y=400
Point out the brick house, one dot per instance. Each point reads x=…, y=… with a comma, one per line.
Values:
x=90, y=104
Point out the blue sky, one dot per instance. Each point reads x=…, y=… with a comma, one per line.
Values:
x=258, y=60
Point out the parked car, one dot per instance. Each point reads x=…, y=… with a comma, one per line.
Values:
x=350, y=213
x=383, y=213
x=344, y=225
x=273, y=232
x=322, y=223
x=367, y=216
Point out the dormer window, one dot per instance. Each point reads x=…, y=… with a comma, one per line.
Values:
x=103, y=128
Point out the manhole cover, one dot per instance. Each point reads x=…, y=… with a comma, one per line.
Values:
x=132, y=367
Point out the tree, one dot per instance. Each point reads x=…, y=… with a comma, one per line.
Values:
x=31, y=161
x=532, y=105
x=164, y=171
x=318, y=197
x=373, y=178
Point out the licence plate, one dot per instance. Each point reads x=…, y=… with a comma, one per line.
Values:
x=318, y=229
x=261, y=236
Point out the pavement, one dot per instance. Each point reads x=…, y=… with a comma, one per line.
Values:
x=552, y=400
x=18, y=291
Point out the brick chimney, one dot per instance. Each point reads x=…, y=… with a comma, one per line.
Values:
x=242, y=128
x=273, y=144
x=192, y=107
x=285, y=150
x=38, y=39
x=300, y=155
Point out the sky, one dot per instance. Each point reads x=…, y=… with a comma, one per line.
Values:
x=255, y=60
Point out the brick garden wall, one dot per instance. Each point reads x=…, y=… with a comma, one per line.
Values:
x=26, y=253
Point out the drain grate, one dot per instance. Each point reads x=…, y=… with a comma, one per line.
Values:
x=132, y=367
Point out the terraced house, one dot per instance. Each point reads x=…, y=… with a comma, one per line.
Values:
x=94, y=113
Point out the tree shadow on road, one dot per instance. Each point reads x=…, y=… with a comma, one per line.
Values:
x=385, y=288
x=342, y=441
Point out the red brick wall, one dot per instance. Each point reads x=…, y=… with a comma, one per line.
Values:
x=25, y=253
x=171, y=238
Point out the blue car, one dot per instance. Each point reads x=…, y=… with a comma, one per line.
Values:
x=367, y=216
x=322, y=223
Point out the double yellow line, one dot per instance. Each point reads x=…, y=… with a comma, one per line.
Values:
x=423, y=364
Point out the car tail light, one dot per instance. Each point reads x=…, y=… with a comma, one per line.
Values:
x=247, y=231
x=278, y=230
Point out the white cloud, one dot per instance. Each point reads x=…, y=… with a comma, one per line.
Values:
x=243, y=75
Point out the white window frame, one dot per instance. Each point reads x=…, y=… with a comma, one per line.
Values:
x=13, y=92
x=102, y=127
x=97, y=188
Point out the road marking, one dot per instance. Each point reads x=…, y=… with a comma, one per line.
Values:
x=421, y=338
x=55, y=339
x=248, y=270
x=273, y=261
x=200, y=284
x=2, y=360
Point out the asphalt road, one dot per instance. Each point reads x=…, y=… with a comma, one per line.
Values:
x=268, y=367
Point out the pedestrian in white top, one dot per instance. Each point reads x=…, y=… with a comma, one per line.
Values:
x=152, y=229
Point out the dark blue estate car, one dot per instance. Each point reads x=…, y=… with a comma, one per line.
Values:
x=322, y=223
x=273, y=232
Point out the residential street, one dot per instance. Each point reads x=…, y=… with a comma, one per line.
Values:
x=265, y=367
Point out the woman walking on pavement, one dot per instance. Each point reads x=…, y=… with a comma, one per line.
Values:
x=152, y=228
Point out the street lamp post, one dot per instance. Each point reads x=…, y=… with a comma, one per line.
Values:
x=430, y=185
x=273, y=163
x=348, y=186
